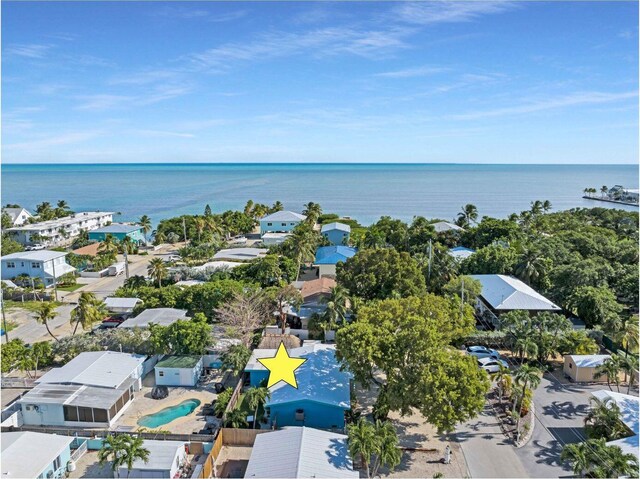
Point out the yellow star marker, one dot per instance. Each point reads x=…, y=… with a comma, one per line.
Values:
x=281, y=367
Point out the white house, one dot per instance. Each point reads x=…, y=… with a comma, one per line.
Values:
x=629, y=412
x=91, y=390
x=178, y=371
x=160, y=316
x=280, y=222
x=166, y=458
x=240, y=254
x=444, y=226
x=121, y=305
x=300, y=452
x=35, y=455
x=60, y=231
x=19, y=216
x=46, y=265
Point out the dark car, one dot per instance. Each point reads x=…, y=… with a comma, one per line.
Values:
x=160, y=392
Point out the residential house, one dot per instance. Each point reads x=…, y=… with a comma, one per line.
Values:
x=582, y=368
x=160, y=316
x=46, y=265
x=178, y=371
x=336, y=233
x=323, y=394
x=280, y=222
x=121, y=306
x=327, y=257
x=91, y=390
x=445, y=226
x=300, y=452
x=166, y=460
x=501, y=294
x=460, y=253
x=60, y=231
x=620, y=193
x=35, y=455
x=240, y=254
x=213, y=357
x=313, y=294
x=119, y=231
x=629, y=411
x=19, y=216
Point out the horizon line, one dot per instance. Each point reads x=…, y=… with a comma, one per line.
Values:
x=308, y=163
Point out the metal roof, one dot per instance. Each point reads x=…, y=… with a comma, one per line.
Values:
x=284, y=216
x=117, y=228
x=241, y=254
x=335, y=226
x=589, y=360
x=107, y=369
x=334, y=254
x=28, y=454
x=65, y=221
x=300, y=452
x=42, y=255
x=215, y=265
x=161, y=316
x=319, y=377
x=72, y=395
x=161, y=455
x=506, y=293
x=122, y=302
x=628, y=415
x=442, y=226
x=460, y=252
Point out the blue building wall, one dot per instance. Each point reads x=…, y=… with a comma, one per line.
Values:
x=320, y=416
x=137, y=236
x=34, y=269
x=337, y=237
x=65, y=457
x=278, y=226
x=256, y=377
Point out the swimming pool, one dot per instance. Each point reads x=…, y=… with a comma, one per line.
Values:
x=169, y=414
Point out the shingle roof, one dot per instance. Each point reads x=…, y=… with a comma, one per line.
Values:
x=506, y=293
x=95, y=368
x=284, y=216
x=300, y=452
x=90, y=249
x=161, y=316
x=42, y=255
x=316, y=286
x=117, y=228
x=336, y=226
x=334, y=254
x=27, y=454
x=319, y=377
x=589, y=360
x=628, y=415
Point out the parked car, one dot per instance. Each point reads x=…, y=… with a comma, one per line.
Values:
x=239, y=240
x=35, y=247
x=492, y=365
x=483, y=352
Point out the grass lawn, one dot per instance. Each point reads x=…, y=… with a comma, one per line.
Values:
x=10, y=326
x=28, y=305
x=71, y=287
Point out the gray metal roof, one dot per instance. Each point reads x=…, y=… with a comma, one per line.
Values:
x=27, y=454
x=335, y=226
x=129, y=303
x=284, y=216
x=95, y=368
x=629, y=415
x=72, y=395
x=240, y=254
x=161, y=456
x=506, y=293
x=442, y=226
x=117, y=228
x=65, y=221
x=300, y=452
x=42, y=255
x=589, y=360
x=161, y=316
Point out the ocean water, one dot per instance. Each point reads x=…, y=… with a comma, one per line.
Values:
x=362, y=191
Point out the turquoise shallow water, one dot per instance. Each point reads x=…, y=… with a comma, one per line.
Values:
x=169, y=414
x=363, y=191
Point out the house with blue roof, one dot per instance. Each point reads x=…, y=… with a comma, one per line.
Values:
x=280, y=222
x=323, y=394
x=119, y=231
x=327, y=257
x=336, y=233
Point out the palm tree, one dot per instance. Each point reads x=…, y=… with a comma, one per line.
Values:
x=611, y=369
x=604, y=190
x=199, y=223
x=109, y=246
x=135, y=282
x=123, y=450
x=530, y=267
x=536, y=207
x=387, y=451
x=235, y=358
x=362, y=441
x=501, y=379
x=39, y=351
x=111, y=450
x=527, y=376
x=616, y=463
x=236, y=419
x=127, y=245
x=222, y=402
x=312, y=211
x=603, y=420
x=579, y=456
x=629, y=364
x=212, y=226
x=528, y=345
x=277, y=206
x=468, y=214
x=546, y=206
x=157, y=270
x=25, y=362
x=256, y=397
x=337, y=307
x=145, y=222
x=303, y=246
x=45, y=313
x=88, y=311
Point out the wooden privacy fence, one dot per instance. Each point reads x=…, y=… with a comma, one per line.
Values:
x=17, y=383
x=234, y=397
x=228, y=437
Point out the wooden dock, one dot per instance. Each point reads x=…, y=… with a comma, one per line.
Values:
x=610, y=201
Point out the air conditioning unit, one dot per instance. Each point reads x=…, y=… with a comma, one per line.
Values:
x=29, y=407
x=299, y=414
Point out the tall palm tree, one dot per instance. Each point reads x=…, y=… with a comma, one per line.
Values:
x=312, y=211
x=387, y=450
x=362, y=441
x=256, y=397
x=501, y=376
x=132, y=450
x=277, y=206
x=531, y=266
x=603, y=420
x=303, y=246
x=236, y=418
x=135, y=282
x=213, y=227
x=527, y=376
x=157, y=270
x=629, y=364
x=468, y=214
x=546, y=206
x=611, y=369
x=199, y=223
x=127, y=245
x=45, y=313
x=89, y=310
x=108, y=246
x=145, y=222
x=603, y=190
x=579, y=456
x=536, y=207
x=123, y=450
x=526, y=345
x=337, y=307
x=111, y=451
x=616, y=463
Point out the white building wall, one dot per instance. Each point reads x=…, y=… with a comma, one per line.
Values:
x=327, y=270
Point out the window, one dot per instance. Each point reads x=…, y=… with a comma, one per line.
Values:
x=269, y=224
x=100, y=415
x=292, y=224
x=70, y=413
x=57, y=463
x=35, y=265
x=161, y=373
x=85, y=414
x=11, y=264
x=112, y=411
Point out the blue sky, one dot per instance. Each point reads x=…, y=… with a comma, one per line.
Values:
x=447, y=81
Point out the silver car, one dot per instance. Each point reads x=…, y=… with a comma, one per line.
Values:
x=483, y=352
x=492, y=365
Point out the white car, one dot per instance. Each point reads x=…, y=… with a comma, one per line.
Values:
x=35, y=247
x=239, y=240
x=492, y=365
x=483, y=352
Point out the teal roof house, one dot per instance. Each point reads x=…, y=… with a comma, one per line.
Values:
x=336, y=233
x=119, y=231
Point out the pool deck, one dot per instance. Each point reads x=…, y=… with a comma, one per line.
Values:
x=144, y=405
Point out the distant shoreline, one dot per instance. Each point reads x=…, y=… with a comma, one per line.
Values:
x=611, y=201
x=278, y=163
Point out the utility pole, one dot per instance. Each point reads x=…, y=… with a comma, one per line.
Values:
x=126, y=263
x=184, y=230
x=55, y=279
x=430, y=258
x=4, y=319
x=462, y=297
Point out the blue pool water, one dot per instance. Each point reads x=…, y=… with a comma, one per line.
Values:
x=169, y=414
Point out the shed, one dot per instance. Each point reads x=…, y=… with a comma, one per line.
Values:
x=582, y=368
x=178, y=371
x=166, y=458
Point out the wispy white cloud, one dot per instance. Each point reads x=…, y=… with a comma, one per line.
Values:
x=412, y=72
x=103, y=101
x=576, y=99
x=160, y=133
x=183, y=12
x=29, y=50
x=450, y=11
x=65, y=138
